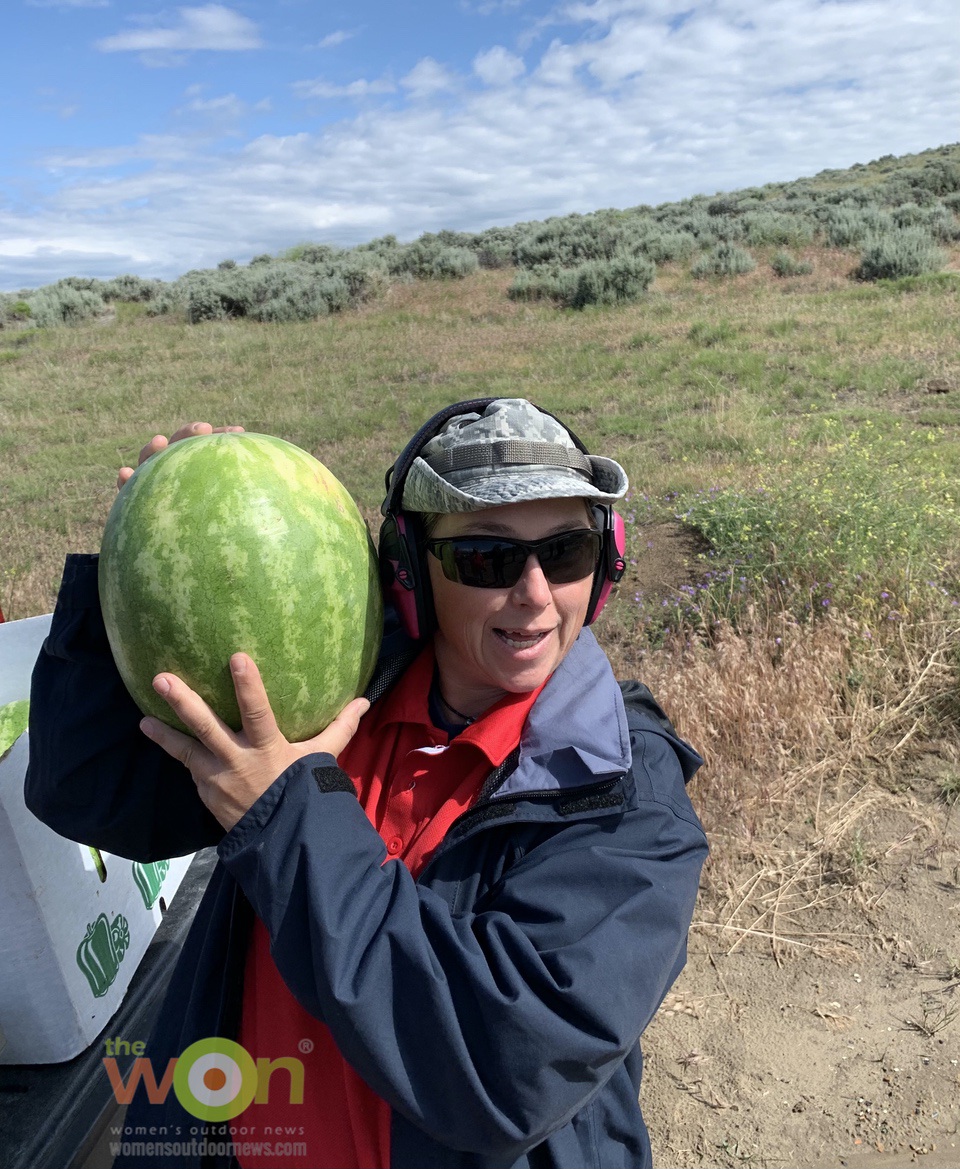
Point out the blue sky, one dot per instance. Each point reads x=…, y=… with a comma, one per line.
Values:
x=140, y=137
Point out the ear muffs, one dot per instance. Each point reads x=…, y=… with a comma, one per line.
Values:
x=403, y=575
x=612, y=563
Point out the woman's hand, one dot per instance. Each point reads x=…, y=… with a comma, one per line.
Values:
x=158, y=442
x=232, y=769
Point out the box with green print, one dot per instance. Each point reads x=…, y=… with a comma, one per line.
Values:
x=75, y=922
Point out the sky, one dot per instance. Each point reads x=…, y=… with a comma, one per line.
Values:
x=146, y=138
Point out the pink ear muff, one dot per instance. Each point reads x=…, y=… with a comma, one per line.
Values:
x=612, y=561
x=399, y=562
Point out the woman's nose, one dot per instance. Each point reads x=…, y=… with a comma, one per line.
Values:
x=533, y=586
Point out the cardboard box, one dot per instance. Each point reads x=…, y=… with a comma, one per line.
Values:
x=75, y=922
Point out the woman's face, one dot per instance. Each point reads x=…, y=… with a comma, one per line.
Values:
x=490, y=642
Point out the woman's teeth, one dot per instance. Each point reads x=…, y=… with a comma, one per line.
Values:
x=517, y=640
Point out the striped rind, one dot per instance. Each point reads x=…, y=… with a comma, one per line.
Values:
x=241, y=542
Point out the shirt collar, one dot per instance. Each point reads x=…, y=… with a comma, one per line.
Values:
x=496, y=733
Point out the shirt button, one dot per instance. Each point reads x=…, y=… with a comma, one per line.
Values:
x=394, y=845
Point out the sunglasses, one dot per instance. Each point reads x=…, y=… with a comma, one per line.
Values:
x=492, y=562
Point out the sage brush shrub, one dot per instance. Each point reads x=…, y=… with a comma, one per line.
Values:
x=848, y=227
x=454, y=263
x=783, y=264
x=381, y=246
x=277, y=291
x=908, y=251
x=62, y=304
x=313, y=253
x=664, y=247
x=131, y=289
x=495, y=255
x=724, y=260
x=79, y=283
x=532, y=285
x=432, y=256
x=938, y=220
x=616, y=281
x=774, y=227
x=942, y=224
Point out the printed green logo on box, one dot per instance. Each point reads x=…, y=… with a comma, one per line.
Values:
x=149, y=879
x=100, y=953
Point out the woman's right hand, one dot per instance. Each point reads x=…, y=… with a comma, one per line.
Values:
x=158, y=442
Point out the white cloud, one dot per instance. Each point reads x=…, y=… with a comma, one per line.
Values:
x=498, y=66
x=427, y=77
x=359, y=88
x=332, y=39
x=628, y=104
x=211, y=26
x=227, y=105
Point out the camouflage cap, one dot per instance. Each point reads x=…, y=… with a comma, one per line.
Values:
x=512, y=453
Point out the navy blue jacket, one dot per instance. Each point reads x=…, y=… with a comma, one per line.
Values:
x=497, y=1001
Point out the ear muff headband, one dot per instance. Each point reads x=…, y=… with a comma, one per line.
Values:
x=403, y=570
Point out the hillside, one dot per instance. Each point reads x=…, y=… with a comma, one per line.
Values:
x=896, y=214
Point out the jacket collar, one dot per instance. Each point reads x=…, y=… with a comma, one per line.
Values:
x=576, y=732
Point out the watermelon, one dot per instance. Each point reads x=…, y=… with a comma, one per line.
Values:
x=13, y=722
x=241, y=542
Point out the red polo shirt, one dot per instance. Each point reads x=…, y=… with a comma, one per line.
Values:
x=413, y=782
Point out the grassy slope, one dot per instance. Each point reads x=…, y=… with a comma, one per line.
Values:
x=699, y=385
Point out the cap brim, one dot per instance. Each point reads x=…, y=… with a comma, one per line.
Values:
x=426, y=491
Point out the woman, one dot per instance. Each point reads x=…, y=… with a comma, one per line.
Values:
x=461, y=915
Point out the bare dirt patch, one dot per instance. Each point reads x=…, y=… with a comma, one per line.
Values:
x=822, y=1052
x=669, y=555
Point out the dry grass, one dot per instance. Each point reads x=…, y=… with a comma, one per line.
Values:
x=807, y=730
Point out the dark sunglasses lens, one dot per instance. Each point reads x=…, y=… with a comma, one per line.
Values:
x=499, y=564
x=570, y=556
x=488, y=564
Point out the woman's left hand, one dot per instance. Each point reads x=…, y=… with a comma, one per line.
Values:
x=232, y=769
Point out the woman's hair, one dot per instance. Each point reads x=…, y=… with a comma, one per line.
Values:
x=428, y=521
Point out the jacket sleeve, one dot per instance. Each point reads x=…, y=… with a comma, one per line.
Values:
x=487, y=1028
x=93, y=776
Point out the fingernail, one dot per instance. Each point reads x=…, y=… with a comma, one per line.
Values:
x=162, y=686
x=146, y=725
x=238, y=664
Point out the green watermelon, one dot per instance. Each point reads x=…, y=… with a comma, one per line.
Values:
x=13, y=722
x=241, y=542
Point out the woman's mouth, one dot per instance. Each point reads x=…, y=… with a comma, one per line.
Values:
x=519, y=638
